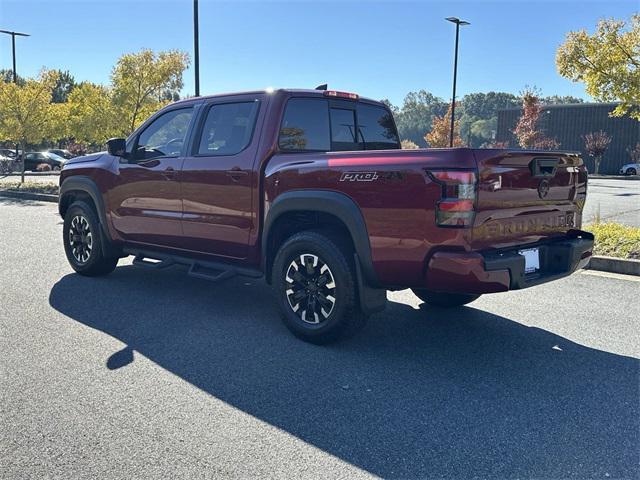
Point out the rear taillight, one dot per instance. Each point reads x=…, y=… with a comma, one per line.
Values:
x=456, y=207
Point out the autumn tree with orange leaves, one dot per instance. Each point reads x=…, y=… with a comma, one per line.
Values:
x=438, y=137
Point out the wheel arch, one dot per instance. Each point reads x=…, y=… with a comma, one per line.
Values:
x=325, y=202
x=84, y=188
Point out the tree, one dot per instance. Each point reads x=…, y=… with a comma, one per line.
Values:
x=479, y=115
x=6, y=76
x=63, y=87
x=439, y=134
x=560, y=100
x=526, y=130
x=25, y=114
x=416, y=114
x=91, y=115
x=142, y=82
x=408, y=145
x=607, y=62
x=596, y=143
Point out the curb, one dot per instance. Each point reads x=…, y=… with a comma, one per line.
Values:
x=626, y=266
x=33, y=174
x=43, y=197
x=614, y=177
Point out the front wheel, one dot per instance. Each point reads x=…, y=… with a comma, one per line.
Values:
x=445, y=300
x=631, y=171
x=316, y=289
x=82, y=242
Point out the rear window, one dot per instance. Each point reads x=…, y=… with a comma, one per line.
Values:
x=305, y=125
x=376, y=128
x=343, y=129
x=316, y=124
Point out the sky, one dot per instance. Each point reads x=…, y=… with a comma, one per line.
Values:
x=379, y=49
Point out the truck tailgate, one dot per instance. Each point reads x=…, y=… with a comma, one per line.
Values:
x=527, y=196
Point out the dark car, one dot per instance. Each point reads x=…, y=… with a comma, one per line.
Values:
x=61, y=153
x=33, y=159
x=310, y=190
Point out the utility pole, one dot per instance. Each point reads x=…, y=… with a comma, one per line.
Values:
x=196, y=47
x=458, y=22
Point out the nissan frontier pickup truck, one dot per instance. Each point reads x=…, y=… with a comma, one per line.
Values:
x=310, y=190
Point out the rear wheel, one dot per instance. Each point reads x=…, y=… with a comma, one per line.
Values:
x=446, y=300
x=316, y=289
x=83, y=242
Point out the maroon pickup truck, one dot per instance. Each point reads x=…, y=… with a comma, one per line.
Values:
x=311, y=190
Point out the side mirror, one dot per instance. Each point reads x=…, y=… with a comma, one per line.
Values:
x=117, y=147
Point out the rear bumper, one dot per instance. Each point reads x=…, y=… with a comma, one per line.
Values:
x=502, y=270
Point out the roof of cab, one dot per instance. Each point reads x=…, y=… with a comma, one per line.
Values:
x=265, y=91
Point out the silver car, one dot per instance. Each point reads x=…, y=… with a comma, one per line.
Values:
x=630, y=169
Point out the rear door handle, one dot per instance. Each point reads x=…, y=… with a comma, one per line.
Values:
x=235, y=173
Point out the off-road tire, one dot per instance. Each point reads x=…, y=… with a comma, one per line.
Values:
x=340, y=319
x=83, y=242
x=444, y=300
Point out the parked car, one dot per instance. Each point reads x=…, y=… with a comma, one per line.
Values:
x=7, y=152
x=33, y=159
x=61, y=153
x=311, y=190
x=630, y=169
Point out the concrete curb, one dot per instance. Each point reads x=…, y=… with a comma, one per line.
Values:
x=42, y=197
x=615, y=177
x=33, y=174
x=625, y=266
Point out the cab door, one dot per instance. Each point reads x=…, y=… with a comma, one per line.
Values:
x=146, y=202
x=218, y=178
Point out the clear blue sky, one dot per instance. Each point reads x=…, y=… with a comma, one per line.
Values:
x=376, y=48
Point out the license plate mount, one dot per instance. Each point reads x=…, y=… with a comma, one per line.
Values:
x=531, y=259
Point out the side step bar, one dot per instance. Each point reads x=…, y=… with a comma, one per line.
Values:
x=208, y=270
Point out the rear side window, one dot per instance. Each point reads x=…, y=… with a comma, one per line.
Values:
x=316, y=124
x=376, y=128
x=305, y=125
x=228, y=128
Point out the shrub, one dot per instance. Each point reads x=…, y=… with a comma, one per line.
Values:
x=43, y=167
x=616, y=240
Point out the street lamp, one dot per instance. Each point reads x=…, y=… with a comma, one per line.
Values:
x=196, y=47
x=13, y=46
x=458, y=22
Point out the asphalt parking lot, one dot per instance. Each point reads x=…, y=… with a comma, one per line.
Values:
x=613, y=200
x=146, y=374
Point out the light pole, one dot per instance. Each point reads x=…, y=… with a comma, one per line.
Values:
x=196, y=47
x=13, y=48
x=15, y=75
x=458, y=22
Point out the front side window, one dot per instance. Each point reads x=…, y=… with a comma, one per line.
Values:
x=305, y=125
x=376, y=128
x=228, y=128
x=165, y=136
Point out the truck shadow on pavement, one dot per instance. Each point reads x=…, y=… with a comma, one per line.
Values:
x=418, y=393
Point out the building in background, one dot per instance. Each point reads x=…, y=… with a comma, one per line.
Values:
x=570, y=122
